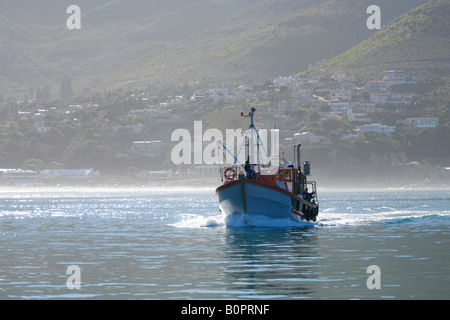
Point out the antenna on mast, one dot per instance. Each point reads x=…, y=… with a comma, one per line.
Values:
x=251, y=129
x=250, y=114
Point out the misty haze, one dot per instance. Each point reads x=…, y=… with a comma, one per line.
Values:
x=196, y=150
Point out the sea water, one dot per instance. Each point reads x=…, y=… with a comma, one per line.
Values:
x=174, y=244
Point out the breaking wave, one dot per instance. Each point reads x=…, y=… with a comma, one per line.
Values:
x=239, y=221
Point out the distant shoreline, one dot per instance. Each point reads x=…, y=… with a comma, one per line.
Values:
x=190, y=184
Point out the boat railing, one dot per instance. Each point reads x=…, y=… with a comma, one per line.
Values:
x=252, y=172
x=268, y=174
x=311, y=185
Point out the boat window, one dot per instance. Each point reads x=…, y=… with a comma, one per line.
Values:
x=287, y=175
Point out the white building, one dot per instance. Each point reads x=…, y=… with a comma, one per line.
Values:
x=69, y=173
x=38, y=117
x=354, y=114
x=200, y=97
x=306, y=138
x=339, y=107
x=395, y=77
x=375, y=128
x=379, y=98
x=421, y=123
x=42, y=129
x=175, y=101
x=19, y=177
x=342, y=76
x=363, y=105
x=24, y=115
x=282, y=81
x=401, y=98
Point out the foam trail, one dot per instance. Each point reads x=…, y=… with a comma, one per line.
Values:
x=239, y=221
x=199, y=221
x=383, y=215
x=263, y=221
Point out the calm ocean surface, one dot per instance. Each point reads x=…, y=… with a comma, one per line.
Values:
x=173, y=244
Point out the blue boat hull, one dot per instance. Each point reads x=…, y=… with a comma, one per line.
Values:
x=243, y=197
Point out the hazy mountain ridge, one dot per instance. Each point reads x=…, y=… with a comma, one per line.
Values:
x=248, y=43
x=418, y=40
x=161, y=43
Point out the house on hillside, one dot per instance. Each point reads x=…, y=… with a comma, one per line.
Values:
x=307, y=138
x=422, y=123
x=395, y=77
x=355, y=114
x=24, y=115
x=377, y=86
x=341, y=94
x=379, y=98
x=375, y=128
x=401, y=98
x=38, y=117
x=362, y=105
x=343, y=77
x=338, y=107
x=282, y=81
x=200, y=97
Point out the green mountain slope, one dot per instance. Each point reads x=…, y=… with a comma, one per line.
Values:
x=418, y=40
x=168, y=43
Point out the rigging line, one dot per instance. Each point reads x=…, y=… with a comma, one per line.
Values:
x=250, y=131
x=262, y=144
x=235, y=158
x=240, y=149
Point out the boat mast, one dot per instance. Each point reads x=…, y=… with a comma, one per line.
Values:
x=299, y=163
x=252, y=129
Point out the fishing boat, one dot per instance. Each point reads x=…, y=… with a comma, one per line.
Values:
x=279, y=191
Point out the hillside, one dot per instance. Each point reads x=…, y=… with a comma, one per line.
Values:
x=98, y=128
x=418, y=40
x=169, y=43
